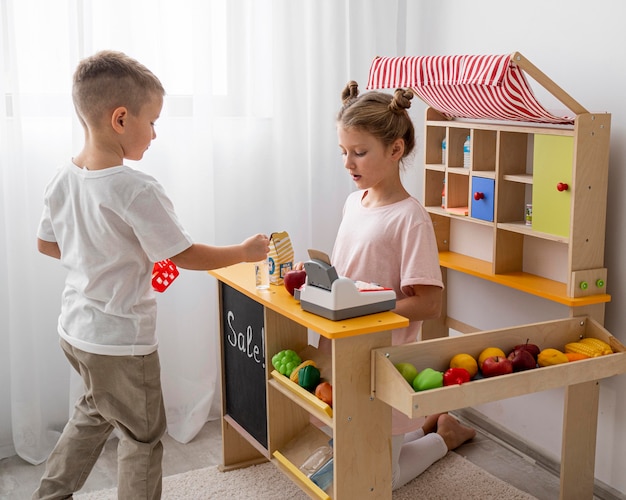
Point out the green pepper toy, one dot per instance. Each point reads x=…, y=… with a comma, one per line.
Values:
x=428, y=379
x=308, y=377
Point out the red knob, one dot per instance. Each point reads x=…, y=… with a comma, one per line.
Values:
x=562, y=186
x=478, y=196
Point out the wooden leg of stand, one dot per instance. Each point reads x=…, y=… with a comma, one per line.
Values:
x=580, y=422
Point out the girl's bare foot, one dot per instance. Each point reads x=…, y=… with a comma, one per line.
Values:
x=453, y=432
x=430, y=424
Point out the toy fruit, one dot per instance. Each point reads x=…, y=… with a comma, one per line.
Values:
x=488, y=353
x=324, y=391
x=532, y=348
x=496, y=365
x=453, y=376
x=408, y=371
x=465, y=361
x=428, y=378
x=550, y=356
x=522, y=359
x=294, y=279
x=286, y=361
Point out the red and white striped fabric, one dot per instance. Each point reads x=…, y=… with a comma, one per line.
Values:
x=466, y=86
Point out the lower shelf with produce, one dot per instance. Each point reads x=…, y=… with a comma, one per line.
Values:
x=302, y=397
x=306, y=437
x=389, y=385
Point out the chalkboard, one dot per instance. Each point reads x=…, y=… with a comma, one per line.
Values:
x=243, y=340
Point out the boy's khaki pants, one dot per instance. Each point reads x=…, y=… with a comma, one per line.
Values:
x=121, y=392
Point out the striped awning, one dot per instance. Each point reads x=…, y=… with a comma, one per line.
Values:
x=465, y=86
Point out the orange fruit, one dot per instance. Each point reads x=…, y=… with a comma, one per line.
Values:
x=488, y=353
x=465, y=361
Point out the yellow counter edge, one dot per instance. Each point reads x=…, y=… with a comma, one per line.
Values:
x=241, y=278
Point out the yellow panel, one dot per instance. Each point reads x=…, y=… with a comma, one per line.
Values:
x=552, y=164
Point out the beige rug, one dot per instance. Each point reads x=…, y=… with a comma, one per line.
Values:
x=452, y=477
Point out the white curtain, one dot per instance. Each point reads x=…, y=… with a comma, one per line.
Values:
x=246, y=143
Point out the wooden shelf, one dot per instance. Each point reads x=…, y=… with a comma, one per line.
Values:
x=521, y=178
x=302, y=397
x=529, y=128
x=528, y=283
x=523, y=228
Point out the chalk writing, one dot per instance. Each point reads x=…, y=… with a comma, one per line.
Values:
x=245, y=342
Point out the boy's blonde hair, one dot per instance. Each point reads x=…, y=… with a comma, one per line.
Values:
x=108, y=80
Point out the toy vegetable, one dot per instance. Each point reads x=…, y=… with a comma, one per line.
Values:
x=428, y=378
x=454, y=376
x=308, y=377
x=285, y=361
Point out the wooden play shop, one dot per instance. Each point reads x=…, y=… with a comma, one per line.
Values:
x=519, y=154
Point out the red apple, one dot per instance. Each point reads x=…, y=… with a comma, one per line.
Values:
x=522, y=359
x=532, y=348
x=496, y=365
x=294, y=279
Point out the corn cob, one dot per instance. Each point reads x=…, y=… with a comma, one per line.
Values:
x=586, y=349
x=294, y=374
x=598, y=344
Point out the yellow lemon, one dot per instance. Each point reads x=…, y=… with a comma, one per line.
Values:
x=465, y=361
x=550, y=356
x=488, y=353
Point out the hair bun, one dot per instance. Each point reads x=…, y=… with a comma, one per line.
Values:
x=401, y=100
x=350, y=92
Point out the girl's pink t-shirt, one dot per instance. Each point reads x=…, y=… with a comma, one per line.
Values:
x=393, y=246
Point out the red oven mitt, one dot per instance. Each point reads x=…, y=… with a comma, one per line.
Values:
x=163, y=273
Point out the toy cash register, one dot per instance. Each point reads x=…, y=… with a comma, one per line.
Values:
x=333, y=297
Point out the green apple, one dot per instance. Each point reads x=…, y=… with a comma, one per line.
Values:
x=408, y=371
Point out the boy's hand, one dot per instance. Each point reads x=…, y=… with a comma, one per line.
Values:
x=256, y=247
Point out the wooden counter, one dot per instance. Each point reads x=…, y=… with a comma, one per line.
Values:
x=366, y=385
x=359, y=423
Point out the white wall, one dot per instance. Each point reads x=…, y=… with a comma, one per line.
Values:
x=579, y=44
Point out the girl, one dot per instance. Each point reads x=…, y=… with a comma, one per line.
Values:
x=386, y=237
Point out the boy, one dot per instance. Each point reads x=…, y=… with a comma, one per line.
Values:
x=108, y=224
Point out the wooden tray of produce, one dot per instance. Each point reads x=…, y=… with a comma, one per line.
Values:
x=390, y=386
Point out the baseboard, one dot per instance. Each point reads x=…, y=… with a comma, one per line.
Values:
x=505, y=437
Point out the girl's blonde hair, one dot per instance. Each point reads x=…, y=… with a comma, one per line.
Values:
x=383, y=115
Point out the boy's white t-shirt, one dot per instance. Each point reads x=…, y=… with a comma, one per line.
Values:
x=111, y=225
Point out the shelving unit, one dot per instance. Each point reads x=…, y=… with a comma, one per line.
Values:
x=561, y=170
